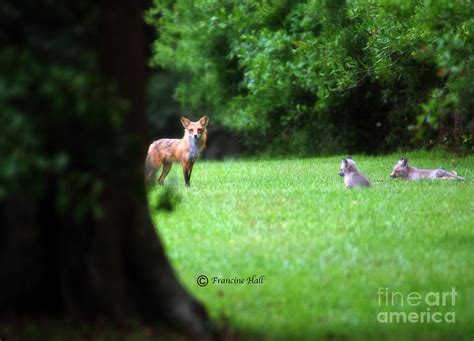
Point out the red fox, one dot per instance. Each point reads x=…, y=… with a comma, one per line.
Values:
x=164, y=151
x=352, y=176
x=402, y=170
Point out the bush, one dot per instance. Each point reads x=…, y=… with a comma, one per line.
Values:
x=311, y=76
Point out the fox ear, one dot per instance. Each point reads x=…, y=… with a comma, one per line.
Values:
x=185, y=121
x=204, y=120
x=349, y=157
x=404, y=161
x=345, y=161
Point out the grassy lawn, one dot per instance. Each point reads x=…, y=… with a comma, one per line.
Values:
x=325, y=251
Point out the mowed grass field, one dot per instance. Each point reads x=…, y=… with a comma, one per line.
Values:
x=325, y=251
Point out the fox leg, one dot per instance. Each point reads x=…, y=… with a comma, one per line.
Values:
x=454, y=176
x=187, y=169
x=164, y=173
x=190, y=169
x=448, y=175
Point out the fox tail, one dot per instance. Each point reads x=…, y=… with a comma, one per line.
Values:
x=150, y=171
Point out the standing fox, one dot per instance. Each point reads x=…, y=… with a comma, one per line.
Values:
x=402, y=170
x=352, y=176
x=164, y=152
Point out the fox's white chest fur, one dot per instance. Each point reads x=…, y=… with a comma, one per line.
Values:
x=193, y=149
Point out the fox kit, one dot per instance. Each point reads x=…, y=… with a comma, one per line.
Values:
x=352, y=176
x=164, y=151
x=402, y=170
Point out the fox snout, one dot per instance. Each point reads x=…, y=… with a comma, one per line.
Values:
x=194, y=135
x=341, y=173
x=393, y=175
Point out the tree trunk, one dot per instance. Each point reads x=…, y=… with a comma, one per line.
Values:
x=113, y=267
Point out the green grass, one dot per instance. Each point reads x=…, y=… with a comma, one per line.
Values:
x=325, y=251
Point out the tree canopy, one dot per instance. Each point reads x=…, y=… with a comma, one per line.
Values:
x=321, y=76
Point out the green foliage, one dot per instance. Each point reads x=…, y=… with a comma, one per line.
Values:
x=164, y=198
x=453, y=51
x=320, y=76
x=58, y=116
x=324, y=250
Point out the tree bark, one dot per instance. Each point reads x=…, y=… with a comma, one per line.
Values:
x=113, y=267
